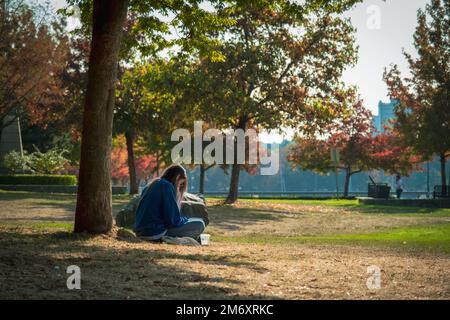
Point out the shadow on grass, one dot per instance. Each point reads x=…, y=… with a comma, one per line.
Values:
x=64, y=218
x=23, y=195
x=432, y=238
x=19, y=202
x=230, y=218
x=33, y=265
x=61, y=197
x=70, y=208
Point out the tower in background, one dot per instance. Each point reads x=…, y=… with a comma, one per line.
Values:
x=386, y=112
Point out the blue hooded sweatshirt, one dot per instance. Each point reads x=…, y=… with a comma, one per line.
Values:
x=158, y=210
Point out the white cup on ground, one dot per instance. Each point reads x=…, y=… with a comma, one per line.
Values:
x=204, y=239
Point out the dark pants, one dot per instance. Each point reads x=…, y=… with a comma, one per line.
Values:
x=193, y=228
x=399, y=193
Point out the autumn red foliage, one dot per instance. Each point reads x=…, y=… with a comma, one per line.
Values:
x=145, y=164
x=360, y=147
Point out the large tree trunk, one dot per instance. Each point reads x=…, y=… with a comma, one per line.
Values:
x=443, y=174
x=129, y=137
x=234, y=184
x=236, y=169
x=347, y=182
x=201, y=188
x=93, y=212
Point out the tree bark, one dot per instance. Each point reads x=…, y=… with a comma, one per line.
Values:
x=201, y=188
x=93, y=212
x=443, y=174
x=129, y=137
x=236, y=168
x=347, y=182
x=234, y=184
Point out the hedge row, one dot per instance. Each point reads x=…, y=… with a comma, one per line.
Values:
x=32, y=179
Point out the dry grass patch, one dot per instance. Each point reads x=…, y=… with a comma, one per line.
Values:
x=33, y=265
x=246, y=218
x=36, y=247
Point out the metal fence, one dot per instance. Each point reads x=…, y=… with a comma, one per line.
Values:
x=312, y=194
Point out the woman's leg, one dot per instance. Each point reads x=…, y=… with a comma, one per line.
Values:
x=193, y=228
x=155, y=238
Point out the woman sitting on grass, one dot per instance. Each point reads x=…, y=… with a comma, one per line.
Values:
x=158, y=213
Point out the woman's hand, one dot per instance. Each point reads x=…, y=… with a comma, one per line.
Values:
x=181, y=185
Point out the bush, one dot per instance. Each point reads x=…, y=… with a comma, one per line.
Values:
x=50, y=162
x=16, y=162
x=32, y=179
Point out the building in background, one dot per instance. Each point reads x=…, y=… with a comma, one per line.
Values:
x=386, y=112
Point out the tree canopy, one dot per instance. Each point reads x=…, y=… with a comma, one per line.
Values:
x=423, y=110
x=281, y=68
x=360, y=147
x=33, y=51
x=147, y=27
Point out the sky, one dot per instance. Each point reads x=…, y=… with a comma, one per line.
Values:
x=384, y=29
x=378, y=48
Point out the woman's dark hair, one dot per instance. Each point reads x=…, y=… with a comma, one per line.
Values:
x=172, y=172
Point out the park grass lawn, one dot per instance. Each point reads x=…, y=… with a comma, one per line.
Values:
x=429, y=238
x=325, y=202
x=341, y=203
x=272, y=249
